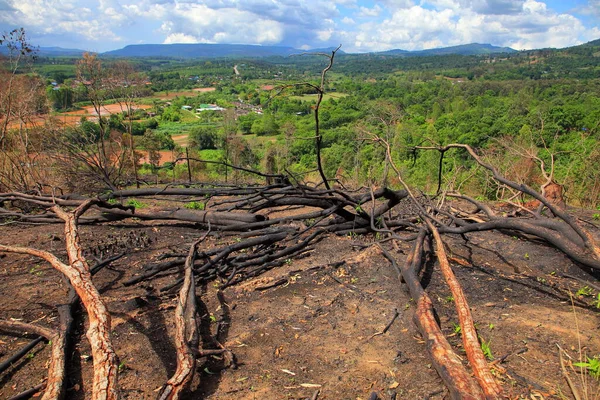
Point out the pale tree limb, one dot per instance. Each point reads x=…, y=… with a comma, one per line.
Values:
x=448, y=365
x=105, y=381
x=186, y=334
x=56, y=369
x=490, y=387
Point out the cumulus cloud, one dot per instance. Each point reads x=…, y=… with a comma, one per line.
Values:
x=180, y=38
x=221, y=25
x=521, y=24
x=592, y=8
x=55, y=18
x=370, y=12
x=497, y=7
x=357, y=24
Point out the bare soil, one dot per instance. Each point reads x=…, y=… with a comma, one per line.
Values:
x=319, y=331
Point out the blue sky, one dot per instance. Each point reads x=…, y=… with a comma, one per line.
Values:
x=359, y=25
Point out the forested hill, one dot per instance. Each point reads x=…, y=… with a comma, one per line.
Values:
x=202, y=50
x=463, y=49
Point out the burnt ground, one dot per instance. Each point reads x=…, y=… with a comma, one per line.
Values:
x=319, y=331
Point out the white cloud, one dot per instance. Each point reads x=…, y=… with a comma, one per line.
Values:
x=370, y=12
x=180, y=38
x=225, y=25
x=406, y=29
x=55, y=17
x=387, y=24
x=592, y=8
x=521, y=24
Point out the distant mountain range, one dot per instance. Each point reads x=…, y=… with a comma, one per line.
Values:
x=203, y=50
x=59, y=51
x=472, y=49
x=241, y=51
x=200, y=50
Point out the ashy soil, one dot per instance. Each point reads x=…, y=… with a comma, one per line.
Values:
x=320, y=330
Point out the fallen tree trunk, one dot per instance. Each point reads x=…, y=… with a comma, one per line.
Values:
x=449, y=367
x=186, y=333
x=215, y=218
x=104, y=385
x=490, y=388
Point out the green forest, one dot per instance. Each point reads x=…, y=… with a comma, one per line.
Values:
x=533, y=114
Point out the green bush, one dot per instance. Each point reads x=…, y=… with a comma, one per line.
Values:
x=195, y=205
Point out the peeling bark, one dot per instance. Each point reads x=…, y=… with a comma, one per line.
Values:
x=186, y=333
x=104, y=386
x=488, y=384
x=448, y=365
x=56, y=369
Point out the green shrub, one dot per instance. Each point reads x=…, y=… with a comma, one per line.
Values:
x=195, y=205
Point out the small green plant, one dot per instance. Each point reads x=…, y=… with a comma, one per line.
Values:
x=358, y=209
x=112, y=201
x=449, y=299
x=30, y=356
x=122, y=366
x=213, y=318
x=526, y=256
x=584, y=291
x=596, y=217
x=486, y=349
x=195, y=205
x=35, y=270
x=596, y=301
x=456, y=328
x=592, y=366
x=491, y=326
x=135, y=203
